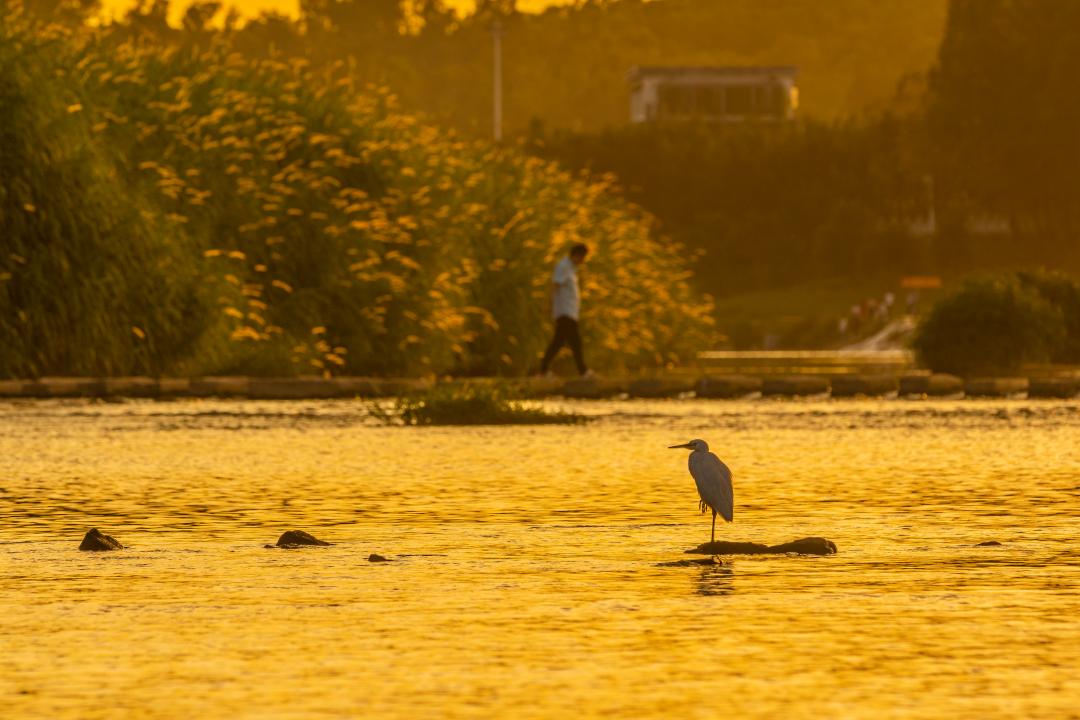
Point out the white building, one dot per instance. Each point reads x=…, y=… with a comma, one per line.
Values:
x=723, y=94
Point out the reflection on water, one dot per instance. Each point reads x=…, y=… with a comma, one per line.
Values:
x=539, y=571
x=717, y=580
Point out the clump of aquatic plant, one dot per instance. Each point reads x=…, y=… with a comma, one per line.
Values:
x=468, y=404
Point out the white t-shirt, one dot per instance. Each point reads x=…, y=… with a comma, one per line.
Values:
x=567, y=300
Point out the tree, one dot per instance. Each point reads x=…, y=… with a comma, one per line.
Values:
x=1004, y=115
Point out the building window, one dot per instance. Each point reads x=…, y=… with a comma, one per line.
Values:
x=676, y=100
x=739, y=100
x=710, y=100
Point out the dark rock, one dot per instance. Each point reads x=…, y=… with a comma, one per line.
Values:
x=722, y=547
x=727, y=386
x=867, y=385
x=174, y=387
x=132, y=387
x=795, y=385
x=297, y=388
x=538, y=387
x=995, y=387
x=690, y=563
x=592, y=388
x=934, y=385
x=13, y=388
x=373, y=557
x=55, y=387
x=298, y=538
x=988, y=543
x=387, y=388
x=97, y=541
x=804, y=546
x=1054, y=387
x=356, y=387
x=659, y=387
x=219, y=386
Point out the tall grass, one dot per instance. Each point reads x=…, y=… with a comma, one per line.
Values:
x=260, y=216
x=92, y=280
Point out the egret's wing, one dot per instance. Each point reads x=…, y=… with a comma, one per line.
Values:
x=713, y=479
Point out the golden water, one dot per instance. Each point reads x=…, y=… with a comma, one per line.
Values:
x=526, y=580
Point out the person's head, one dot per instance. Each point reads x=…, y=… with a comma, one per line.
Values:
x=578, y=253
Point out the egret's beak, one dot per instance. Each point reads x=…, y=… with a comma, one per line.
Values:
x=675, y=447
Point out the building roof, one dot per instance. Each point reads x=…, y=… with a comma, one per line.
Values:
x=637, y=72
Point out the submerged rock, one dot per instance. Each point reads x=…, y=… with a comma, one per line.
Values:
x=657, y=387
x=374, y=557
x=803, y=546
x=867, y=385
x=727, y=386
x=592, y=388
x=690, y=563
x=988, y=543
x=298, y=538
x=795, y=385
x=935, y=385
x=995, y=387
x=1053, y=387
x=97, y=541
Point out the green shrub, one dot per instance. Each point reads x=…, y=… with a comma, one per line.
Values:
x=1063, y=292
x=468, y=404
x=990, y=326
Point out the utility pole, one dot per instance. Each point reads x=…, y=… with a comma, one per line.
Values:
x=496, y=32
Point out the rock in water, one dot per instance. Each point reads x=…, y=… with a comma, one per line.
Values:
x=298, y=538
x=96, y=541
x=989, y=543
x=690, y=563
x=804, y=546
x=807, y=546
x=721, y=547
x=375, y=557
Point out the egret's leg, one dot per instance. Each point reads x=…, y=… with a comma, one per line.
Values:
x=713, y=536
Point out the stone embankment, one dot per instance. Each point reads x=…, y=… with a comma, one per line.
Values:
x=600, y=388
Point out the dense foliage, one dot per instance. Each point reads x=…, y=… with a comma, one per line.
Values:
x=85, y=271
x=193, y=210
x=1003, y=117
x=768, y=206
x=1063, y=292
x=994, y=324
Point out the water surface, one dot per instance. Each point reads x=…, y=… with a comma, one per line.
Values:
x=527, y=578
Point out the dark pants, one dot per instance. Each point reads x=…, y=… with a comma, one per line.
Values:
x=566, y=333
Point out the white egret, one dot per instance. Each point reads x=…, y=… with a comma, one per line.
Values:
x=713, y=480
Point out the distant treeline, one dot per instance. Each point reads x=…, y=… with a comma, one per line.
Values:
x=567, y=65
x=775, y=206
x=961, y=111
x=192, y=210
x=985, y=145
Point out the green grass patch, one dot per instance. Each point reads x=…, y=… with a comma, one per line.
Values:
x=468, y=404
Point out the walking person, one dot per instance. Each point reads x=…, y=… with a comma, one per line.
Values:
x=565, y=309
